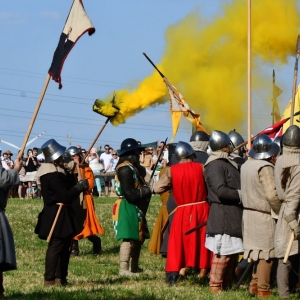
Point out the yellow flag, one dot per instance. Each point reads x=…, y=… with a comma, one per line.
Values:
x=179, y=106
x=276, y=112
x=287, y=112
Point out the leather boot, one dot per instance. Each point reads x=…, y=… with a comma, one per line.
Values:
x=48, y=283
x=264, y=294
x=125, y=250
x=253, y=290
x=203, y=273
x=75, y=248
x=96, y=244
x=61, y=281
x=135, y=255
x=215, y=289
x=173, y=279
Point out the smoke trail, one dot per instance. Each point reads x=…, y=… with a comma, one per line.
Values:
x=208, y=62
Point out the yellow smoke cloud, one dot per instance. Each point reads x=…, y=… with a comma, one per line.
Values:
x=207, y=62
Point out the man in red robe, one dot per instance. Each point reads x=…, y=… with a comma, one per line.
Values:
x=187, y=182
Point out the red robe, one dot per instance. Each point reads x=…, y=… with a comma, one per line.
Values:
x=188, y=250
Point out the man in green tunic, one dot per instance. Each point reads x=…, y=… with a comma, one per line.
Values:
x=130, y=209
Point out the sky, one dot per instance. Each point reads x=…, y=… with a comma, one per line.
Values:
x=200, y=46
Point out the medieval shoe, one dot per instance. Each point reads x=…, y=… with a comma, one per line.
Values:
x=253, y=290
x=75, y=248
x=264, y=294
x=173, y=279
x=203, y=273
x=215, y=289
x=49, y=283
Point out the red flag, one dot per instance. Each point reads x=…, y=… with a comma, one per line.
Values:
x=76, y=25
x=274, y=130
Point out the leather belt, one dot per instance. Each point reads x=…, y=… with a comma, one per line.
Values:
x=261, y=211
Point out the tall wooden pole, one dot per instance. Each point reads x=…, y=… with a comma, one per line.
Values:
x=273, y=98
x=249, y=74
x=295, y=81
x=37, y=108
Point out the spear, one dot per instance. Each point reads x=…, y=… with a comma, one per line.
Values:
x=295, y=80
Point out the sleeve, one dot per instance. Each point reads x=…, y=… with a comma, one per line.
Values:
x=164, y=182
x=216, y=180
x=131, y=194
x=291, y=210
x=89, y=175
x=266, y=177
x=8, y=178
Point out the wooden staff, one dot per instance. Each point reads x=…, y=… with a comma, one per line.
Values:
x=102, y=128
x=96, y=138
x=249, y=75
x=295, y=81
x=37, y=108
x=289, y=247
x=54, y=222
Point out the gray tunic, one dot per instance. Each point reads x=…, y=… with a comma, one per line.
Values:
x=259, y=194
x=8, y=178
x=288, y=215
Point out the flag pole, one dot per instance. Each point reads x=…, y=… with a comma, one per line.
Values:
x=249, y=75
x=295, y=81
x=151, y=62
x=273, y=98
x=37, y=108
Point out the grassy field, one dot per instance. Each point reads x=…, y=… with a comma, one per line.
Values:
x=95, y=277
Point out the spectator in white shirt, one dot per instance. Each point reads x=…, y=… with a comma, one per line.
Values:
x=105, y=157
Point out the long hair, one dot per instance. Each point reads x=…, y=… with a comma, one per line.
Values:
x=285, y=176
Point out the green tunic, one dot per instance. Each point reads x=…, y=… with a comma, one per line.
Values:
x=128, y=219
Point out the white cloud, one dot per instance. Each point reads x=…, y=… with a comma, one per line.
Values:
x=13, y=18
x=50, y=15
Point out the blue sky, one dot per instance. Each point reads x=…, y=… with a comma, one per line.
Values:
x=109, y=60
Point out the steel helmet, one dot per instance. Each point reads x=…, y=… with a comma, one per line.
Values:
x=218, y=140
x=129, y=145
x=52, y=150
x=183, y=150
x=263, y=147
x=199, y=136
x=291, y=137
x=74, y=151
x=235, y=138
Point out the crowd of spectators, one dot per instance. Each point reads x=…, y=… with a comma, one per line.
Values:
x=102, y=164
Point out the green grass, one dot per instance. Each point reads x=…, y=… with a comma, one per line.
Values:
x=95, y=277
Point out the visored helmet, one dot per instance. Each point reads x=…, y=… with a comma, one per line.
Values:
x=263, y=147
x=183, y=150
x=291, y=137
x=73, y=151
x=218, y=140
x=52, y=150
x=235, y=138
x=129, y=145
x=199, y=136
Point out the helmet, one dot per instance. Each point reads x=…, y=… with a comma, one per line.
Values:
x=208, y=151
x=73, y=151
x=52, y=150
x=291, y=137
x=199, y=136
x=183, y=150
x=263, y=147
x=235, y=138
x=218, y=140
x=128, y=145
